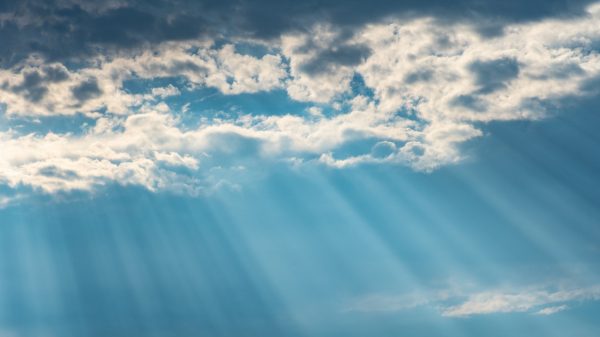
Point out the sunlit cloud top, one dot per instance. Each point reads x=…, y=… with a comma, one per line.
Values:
x=178, y=95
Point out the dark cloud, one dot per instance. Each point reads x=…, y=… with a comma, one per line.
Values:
x=471, y=102
x=86, y=90
x=32, y=87
x=56, y=73
x=61, y=29
x=34, y=84
x=419, y=76
x=591, y=86
x=56, y=172
x=268, y=18
x=73, y=31
x=560, y=71
x=489, y=76
x=494, y=75
x=345, y=55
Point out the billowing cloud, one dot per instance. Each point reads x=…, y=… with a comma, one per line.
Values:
x=61, y=29
x=412, y=90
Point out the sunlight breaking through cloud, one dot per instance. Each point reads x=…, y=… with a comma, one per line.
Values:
x=428, y=87
x=299, y=168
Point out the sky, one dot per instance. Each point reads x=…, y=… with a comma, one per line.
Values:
x=299, y=168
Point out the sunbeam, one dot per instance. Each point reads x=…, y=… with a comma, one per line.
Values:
x=299, y=168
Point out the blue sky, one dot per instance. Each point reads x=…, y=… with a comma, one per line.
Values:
x=273, y=169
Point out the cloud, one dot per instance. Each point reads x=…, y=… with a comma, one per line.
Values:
x=316, y=74
x=6, y=201
x=552, y=310
x=37, y=87
x=538, y=300
x=525, y=301
x=413, y=90
x=86, y=90
x=151, y=148
x=495, y=74
x=452, y=73
x=164, y=92
x=66, y=29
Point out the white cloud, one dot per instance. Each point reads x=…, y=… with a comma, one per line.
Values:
x=147, y=148
x=431, y=87
x=246, y=74
x=538, y=300
x=451, y=73
x=321, y=86
x=29, y=90
x=164, y=92
x=552, y=310
x=6, y=201
x=523, y=301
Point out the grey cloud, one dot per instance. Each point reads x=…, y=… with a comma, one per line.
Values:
x=180, y=67
x=345, y=55
x=34, y=84
x=562, y=71
x=494, y=75
x=383, y=149
x=591, y=86
x=270, y=17
x=62, y=29
x=32, y=87
x=86, y=90
x=54, y=171
x=471, y=102
x=424, y=75
x=56, y=73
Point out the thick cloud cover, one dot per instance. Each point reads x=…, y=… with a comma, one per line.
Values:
x=410, y=82
x=60, y=29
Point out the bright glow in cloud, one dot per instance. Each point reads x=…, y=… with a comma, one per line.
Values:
x=430, y=86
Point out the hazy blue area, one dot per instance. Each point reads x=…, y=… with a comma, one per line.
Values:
x=289, y=253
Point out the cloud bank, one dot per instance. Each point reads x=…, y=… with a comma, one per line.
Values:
x=412, y=81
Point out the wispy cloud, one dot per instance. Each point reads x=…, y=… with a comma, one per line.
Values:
x=390, y=303
x=552, y=310
x=521, y=301
x=6, y=201
x=535, y=300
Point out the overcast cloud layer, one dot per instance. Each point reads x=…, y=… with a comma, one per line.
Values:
x=412, y=80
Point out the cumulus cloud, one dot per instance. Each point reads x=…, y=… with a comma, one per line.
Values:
x=164, y=92
x=36, y=87
x=413, y=90
x=150, y=148
x=442, y=73
x=321, y=63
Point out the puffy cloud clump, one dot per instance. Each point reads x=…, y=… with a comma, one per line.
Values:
x=413, y=90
